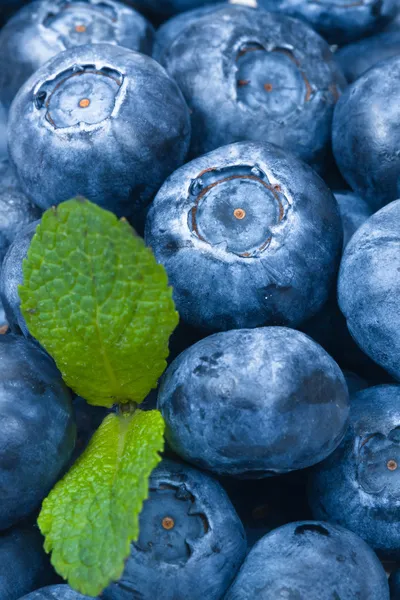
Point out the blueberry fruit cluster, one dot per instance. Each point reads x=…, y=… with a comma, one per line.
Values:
x=255, y=146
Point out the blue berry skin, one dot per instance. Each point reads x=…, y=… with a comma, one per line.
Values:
x=357, y=58
x=37, y=435
x=366, y=134
x=354, y=212
x=358, y=485
x=112, y=134
x=45, y=28
x=11, y=277
x=368, y=288
x=56, y=592
x=394, y=585
x=191, y=541
x=254, y=402
x=251, y=75
x=310, y=560
x=248, y=235
x=16, y=210
x=172, y=28
x=340, y=21
x=24, y=565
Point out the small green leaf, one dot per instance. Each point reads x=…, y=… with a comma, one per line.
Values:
x=98, y=302
x=91, y=516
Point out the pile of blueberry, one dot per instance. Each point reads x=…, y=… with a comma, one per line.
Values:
x=255, y=146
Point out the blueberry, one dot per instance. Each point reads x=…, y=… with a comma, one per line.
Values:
x=366, y=134
x=254, y=402
x=47, y=27
x=248, y=235
x=191, y=541
x=354, y=212
x=358, y=486
x=251, y=75
x=357, y=58
x=368, y=287
x=11, y=277
x=339, y=21
x=16, y=210
x=56, y=592
x=310, y=560
x=100, y=121
x=24, y=566
x=37, y=434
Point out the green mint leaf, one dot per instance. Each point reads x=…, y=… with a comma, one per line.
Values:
x=98, y=302
x=91, y=516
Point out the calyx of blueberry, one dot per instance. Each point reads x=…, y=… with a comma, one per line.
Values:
x=378, y=461
x=174, y=522
x=271, y=78
x=235, y=208
x=82, y=94
x=77, y=22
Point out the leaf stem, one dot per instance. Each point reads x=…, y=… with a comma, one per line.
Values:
x=127, y=408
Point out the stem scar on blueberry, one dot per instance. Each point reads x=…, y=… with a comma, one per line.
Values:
x=80, y=28
x=239, y=213
x=168, y=523
x=391, y=465
x=84, y=103
x=268, y=87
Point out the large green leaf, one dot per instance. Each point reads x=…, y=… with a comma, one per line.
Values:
x=91, y=516
x=98, y=302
